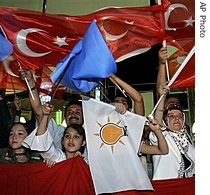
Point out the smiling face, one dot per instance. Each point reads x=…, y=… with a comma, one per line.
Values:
x=175, y=119
x=16, y=136
x=72, y=141
x=74, y=115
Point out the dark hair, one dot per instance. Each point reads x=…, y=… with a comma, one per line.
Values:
x=31, y=124
x=28, y=128
x=74, y=101
x=175, y=107
x=80, y=130
x=120, y=94
x=170, y=95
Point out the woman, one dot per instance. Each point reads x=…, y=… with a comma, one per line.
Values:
x=180, y=159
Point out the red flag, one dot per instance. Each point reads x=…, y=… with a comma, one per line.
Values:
x=187, y=76
x=180, y=25
x=73, y=177
x=180, y=21
x=44, y=39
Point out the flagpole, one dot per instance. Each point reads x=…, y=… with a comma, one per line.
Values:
x=59, y=80
x=167, y=69
x=29, y=88
x=174, y=78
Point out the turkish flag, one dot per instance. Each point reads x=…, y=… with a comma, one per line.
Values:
x=186, y=78
x=180, y=25
x=41, y=40
x=185, y=75
x=180, y=21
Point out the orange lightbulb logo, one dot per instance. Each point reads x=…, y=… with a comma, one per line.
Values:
x=110, y=133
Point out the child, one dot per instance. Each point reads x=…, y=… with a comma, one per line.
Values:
x=15, y=152
x=73, y=140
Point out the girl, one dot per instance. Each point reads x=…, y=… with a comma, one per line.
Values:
x=15, y=152
x=73, y=140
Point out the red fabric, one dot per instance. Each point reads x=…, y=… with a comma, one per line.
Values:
x=124, y=30
x=185, y=36
x=73, y=176
x=178, y=19
x=167, y=187
x=186, y=78
x=68, y=177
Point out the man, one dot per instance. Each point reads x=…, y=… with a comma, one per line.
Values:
x=73, y=111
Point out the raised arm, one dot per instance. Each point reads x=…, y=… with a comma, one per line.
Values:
x=41, y=140
x=161, y=77
x=162, y=90
x=133, y=93
x=161, y=84
x=35, y=103
x=162, y=147
x=47, y=109
x=17, y=104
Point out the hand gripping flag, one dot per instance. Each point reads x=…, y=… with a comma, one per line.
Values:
x=113, y=141
x=88, y=62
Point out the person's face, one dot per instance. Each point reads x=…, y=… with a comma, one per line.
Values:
x=72, y=140
x=16, y=136
x=74, y=115
x=171, y=102
x=123, y=101
x=175, y=119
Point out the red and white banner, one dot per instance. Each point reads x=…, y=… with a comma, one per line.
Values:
x=41, y=40
x=180, y=25
x=73, y=177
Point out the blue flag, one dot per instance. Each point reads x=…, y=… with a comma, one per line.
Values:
x=89, y=61
x=6, y=48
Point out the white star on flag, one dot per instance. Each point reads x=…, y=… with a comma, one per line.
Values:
x=189, y=22
x=60, y=41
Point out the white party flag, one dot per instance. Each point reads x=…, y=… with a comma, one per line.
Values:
x=113, y=141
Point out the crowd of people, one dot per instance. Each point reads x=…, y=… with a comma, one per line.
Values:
x=166, y=140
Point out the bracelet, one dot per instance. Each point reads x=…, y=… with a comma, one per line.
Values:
x=33, y=88
x=18, y=112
